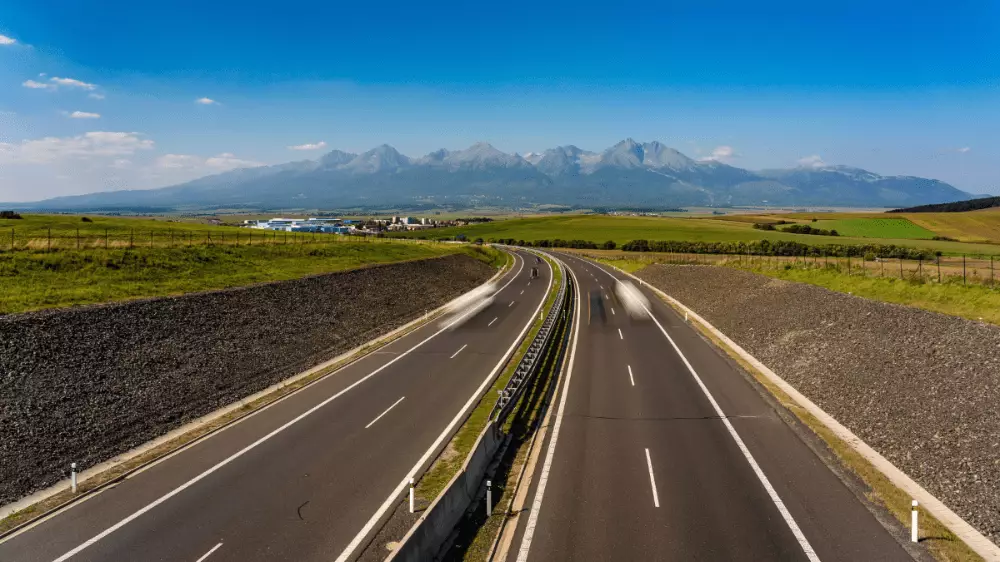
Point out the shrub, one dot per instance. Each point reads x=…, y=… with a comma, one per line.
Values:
x=9, y=215
x=609, y=245
x=86, y=219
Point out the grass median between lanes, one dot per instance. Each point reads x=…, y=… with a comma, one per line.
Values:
x=450, y=461
x=38, y=280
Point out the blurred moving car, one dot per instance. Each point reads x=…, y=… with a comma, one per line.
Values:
x=636, y=304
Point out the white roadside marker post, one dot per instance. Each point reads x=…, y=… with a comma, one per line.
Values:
x=489, y=498
x=685, y=316
x=72, y=476
x=411, y=496
x=913, y=522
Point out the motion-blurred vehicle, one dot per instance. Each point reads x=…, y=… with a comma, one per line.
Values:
x=635, y=303
x=460, y=310
x=534, y=273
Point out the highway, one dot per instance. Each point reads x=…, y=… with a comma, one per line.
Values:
x=301, y=479
x=638, y=464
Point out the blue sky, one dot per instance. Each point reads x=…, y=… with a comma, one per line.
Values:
x=894, y=87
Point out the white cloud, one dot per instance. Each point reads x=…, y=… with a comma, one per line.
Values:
x=813, y=161
x=121, y=164
x=206, y=101
x=87, y=145
x=96, y=96
x=4, y=40
x=964, y=149
x=720, y=154
x=37, y=85
x=309, y=146
x=84, y=115
x=72, y=83
x=214, y=164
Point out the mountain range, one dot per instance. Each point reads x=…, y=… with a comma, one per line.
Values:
x=628, y=174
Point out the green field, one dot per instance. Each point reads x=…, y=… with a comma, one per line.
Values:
x=599, y=228
x=36, y=280
x=876, y=228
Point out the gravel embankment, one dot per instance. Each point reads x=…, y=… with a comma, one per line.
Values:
x=85, y=384
x=922, y=388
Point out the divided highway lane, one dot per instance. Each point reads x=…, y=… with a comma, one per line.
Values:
x=300, y=479
x=640, y=466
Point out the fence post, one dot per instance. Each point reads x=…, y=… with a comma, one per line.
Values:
x=991, y=271
x=49, y=247
x=150, y=238
x=920, y=267
x=171, y=238
x=77, y=238
x=939, y=268
x=250, y=238
x=105, y=239
x=131, y=238
x=12, y=240
x=848, y=262
x=963, y=269
x=900, y=268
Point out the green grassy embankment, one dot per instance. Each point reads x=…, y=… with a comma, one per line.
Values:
x=31, y=280
x=600, y=228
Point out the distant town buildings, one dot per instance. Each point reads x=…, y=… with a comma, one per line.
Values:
x=356, y=227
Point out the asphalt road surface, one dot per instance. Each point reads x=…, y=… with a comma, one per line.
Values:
x=639, y=465
x=298, y=480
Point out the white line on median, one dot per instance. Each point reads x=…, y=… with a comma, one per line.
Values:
x=209, y=553
x=652, y=480
x=396, y=403
x=620, y=333
x=511, y=304
x=612, y=310
x=630, y=377
x=778, y=503
x=491, y=322
x=86, y=544
x=522, y=291
x=459, y=351
x=543, y=478
x=395, y=496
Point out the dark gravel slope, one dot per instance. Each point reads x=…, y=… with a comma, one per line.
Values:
x=922, y=388
x=85, y=384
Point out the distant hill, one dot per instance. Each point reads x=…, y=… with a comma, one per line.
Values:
x=628, y=174
x=953, y=207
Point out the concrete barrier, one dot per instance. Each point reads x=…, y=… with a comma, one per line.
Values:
x=424, y=539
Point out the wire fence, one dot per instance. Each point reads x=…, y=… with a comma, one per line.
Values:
x=62, y=240
x=963, y=269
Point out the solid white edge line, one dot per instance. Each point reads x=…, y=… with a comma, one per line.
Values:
x=209, y=553
x=652, y=480
x=543, y=478
x=620, y=336
x=972, y=537
x=459, y=351
x=785, y=514
x=630, y=377
x=394, y=404
x=492, y=321
x=396, y=494
x=253, y=445
x=612, y=310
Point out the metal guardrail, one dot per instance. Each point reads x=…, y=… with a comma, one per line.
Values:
x=532, y=359
x=425, y=538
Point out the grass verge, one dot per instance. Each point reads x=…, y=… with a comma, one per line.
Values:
x=450, y=461
x=973, y=301
x=478, y=532
x=36, y=280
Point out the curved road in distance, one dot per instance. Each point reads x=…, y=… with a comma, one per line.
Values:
x=300, y=479
x=638, y=464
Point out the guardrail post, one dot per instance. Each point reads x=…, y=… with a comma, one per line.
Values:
x=411, y=496
x=913, y=522
x=72, y=477
x=489, y=498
